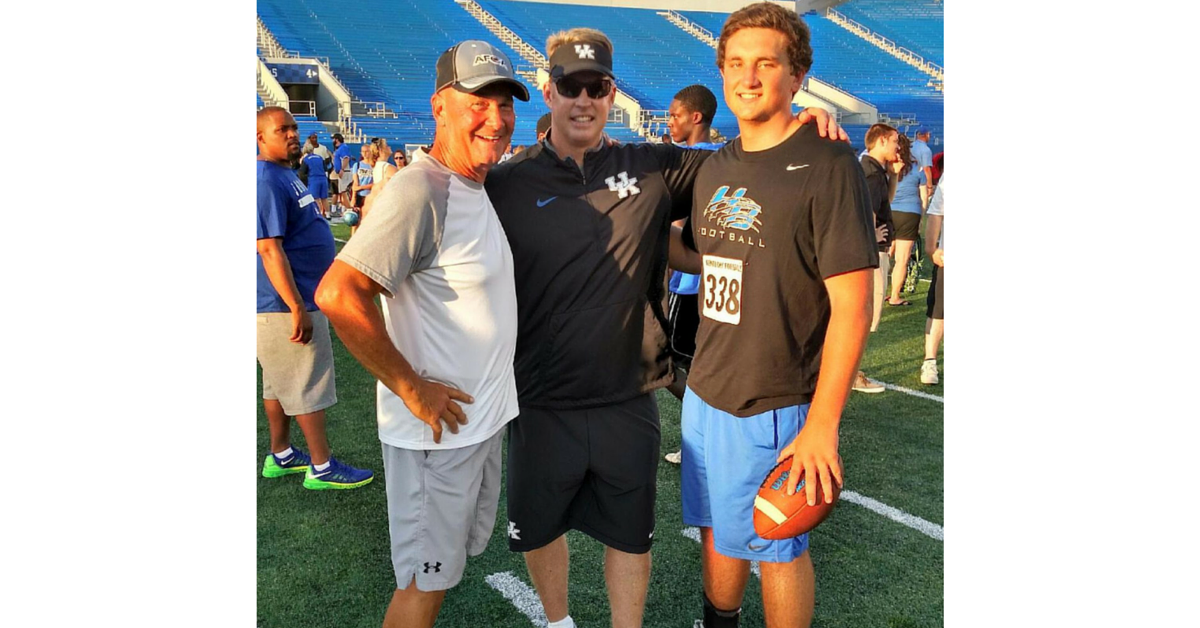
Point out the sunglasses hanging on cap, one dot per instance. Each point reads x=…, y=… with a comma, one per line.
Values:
x=570, y=88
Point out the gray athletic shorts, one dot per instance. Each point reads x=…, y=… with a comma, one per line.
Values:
x=441, y=508
x=299, y=376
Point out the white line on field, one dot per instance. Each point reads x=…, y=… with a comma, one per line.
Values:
x=521, y=595
x=908, y=391
x=337, y=240
x=927, y=528
x=693, y=533
x=895, y=514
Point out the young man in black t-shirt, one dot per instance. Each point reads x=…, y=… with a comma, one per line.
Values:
x=782, y=223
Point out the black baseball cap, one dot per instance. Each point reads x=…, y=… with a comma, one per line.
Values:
x=579, y=57
x=473, y=64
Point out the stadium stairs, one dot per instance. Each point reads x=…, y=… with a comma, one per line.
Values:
x=899, y=91
x=917, y=25
x=848, y=108
x=626, y=114
x=883, y=43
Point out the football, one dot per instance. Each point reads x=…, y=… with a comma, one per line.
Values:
x=778, y=515
x=350, y=217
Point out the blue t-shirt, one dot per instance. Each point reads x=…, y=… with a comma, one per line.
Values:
x=366, y=174
x=686, y=283
x=316, y=166
x=287, y=210
x=908, y=196
x=342, y=151
x=924, y=155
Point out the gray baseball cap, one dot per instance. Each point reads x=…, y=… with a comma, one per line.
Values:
x=474, y=64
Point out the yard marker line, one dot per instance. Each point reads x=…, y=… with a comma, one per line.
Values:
x=337, y=240
x=521, y=595
x=920, y=525
x=909, y=391
x=693, y=533
x=927, y=528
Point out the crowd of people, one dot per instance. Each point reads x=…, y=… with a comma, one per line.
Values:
x=529, y=296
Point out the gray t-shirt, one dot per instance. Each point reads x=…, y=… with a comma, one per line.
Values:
x=433, y=242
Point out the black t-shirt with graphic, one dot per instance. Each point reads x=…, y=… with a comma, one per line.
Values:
x=771, y=226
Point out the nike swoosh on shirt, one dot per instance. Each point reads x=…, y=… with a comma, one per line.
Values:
x=541, y=203
x=794, y=167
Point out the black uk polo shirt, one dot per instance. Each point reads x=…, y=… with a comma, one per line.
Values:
x=589, y=250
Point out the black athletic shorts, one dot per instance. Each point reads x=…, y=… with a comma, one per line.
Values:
x=683, y=314
x=333, y=187
x=592, y=470
x=908, y=226
x=934, y=302
x=359, y=200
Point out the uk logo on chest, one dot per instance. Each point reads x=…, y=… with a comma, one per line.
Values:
x=623, y=185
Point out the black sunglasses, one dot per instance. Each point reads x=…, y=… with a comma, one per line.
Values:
x=570, y=88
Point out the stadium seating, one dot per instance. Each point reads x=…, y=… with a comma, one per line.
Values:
x=915, y=24
x=653, y=59
x=383, y=51
x=845, y=60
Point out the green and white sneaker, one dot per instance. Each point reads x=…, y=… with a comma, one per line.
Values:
x=298, y=462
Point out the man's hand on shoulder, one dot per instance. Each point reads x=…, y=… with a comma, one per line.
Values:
x=434, y=404
x=827, y=125
x=814, y=453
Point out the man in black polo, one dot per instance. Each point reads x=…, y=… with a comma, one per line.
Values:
x=588, y=224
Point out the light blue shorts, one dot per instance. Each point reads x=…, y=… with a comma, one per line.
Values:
x=725, y=459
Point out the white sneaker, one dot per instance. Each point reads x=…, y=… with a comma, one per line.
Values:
x=862, y=384
x=674, y=458
x=929, y=372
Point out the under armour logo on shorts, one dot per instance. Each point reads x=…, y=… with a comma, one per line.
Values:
x=436, y=567
x=585, y=51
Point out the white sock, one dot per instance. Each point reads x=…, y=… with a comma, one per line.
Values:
x=565, y=622
x=321, y=467
x=285, y=454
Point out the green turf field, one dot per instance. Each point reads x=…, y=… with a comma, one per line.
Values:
x=323, y=556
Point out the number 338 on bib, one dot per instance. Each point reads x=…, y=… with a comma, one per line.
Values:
x=721, y=287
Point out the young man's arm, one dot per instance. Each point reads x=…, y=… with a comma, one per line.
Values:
x=279, y=271
x=827, y=125
x=815, y=448
x=347, y=298
x=680, y=257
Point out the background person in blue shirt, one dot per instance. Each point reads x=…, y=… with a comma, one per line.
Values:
x=314, y=172
x=924, y=155
x=908, y=205
x=689, y=119
x=295, y=248
x=340, y=187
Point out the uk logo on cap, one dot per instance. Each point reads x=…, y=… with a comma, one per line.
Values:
x=585, y=51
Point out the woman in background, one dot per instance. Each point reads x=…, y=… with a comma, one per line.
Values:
x=908, y=205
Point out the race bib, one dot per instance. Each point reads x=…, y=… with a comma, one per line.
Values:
x=721, y=286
